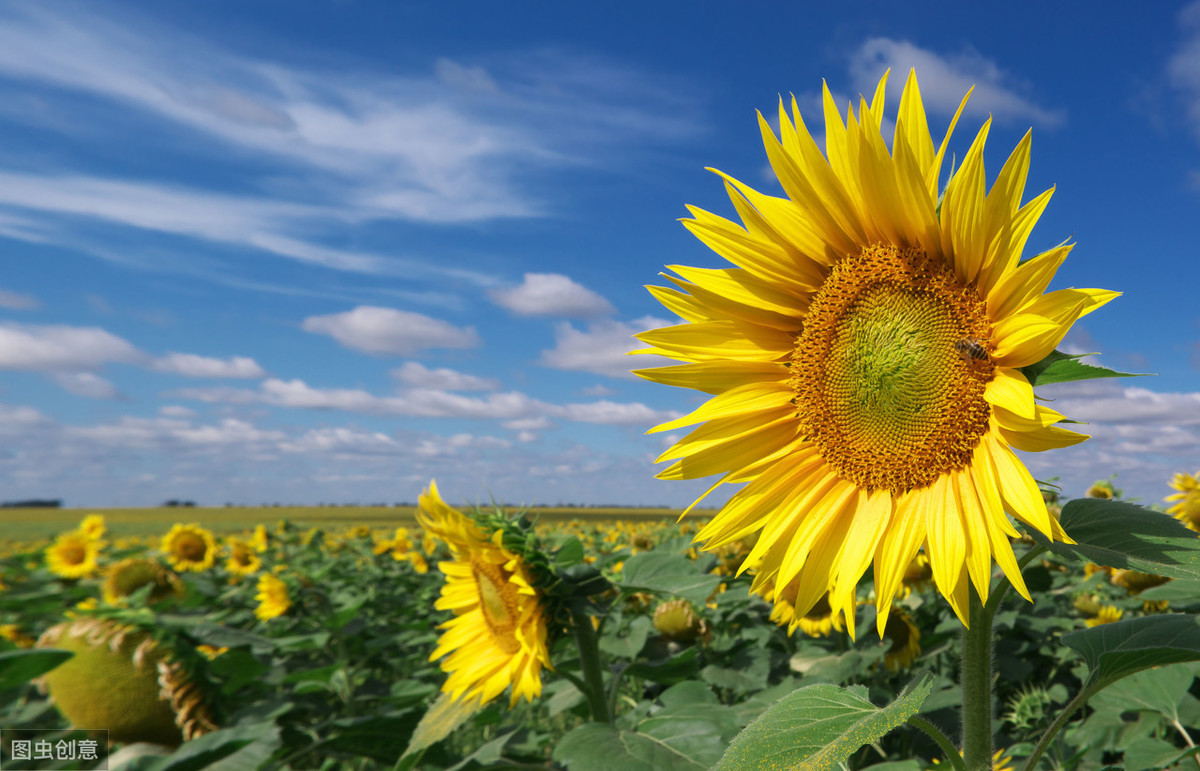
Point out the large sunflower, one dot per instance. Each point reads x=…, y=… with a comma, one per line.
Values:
x=498, y=634
x=863, y=354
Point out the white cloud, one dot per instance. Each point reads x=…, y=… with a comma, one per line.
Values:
x=539, y=423
x=61, y=348
x=603, y=349
x=343, y=441
x=551, y=294
x=134, y=432
x=176, y=411
x=616, y=413
x=15, y=301
x=1183, y=67
x=192, y=365
x=386, y=331
x=598, y=390
x=945, y=79
x=86, y=384
x=415, y=374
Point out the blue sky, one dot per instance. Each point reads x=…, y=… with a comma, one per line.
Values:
x=326, y=251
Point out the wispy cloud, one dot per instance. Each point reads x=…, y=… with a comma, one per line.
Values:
x=944, y=79
x=414, y=373
x=603, y=348
x=314, y=150
x=15, y=301
x=1183, y=68
x=192, y=365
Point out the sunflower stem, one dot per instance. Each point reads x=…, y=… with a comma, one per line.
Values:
x=940, y=738
x=977, y=687
x=589, y=662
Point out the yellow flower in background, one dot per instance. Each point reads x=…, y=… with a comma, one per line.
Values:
x=918, y=576
x=904, y=642
x=260, y=539
x=417, y=559
x=210, y=652
x=497, y=637
x=863, y=356
x=93, y=526
x=1107, y=614
x=1000, y=761
x=73, y=555
x=13, y=634
x=1187, y=510
x=190, y=547
x=273, y=599
x=243, y=559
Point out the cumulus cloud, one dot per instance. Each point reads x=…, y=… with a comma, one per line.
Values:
x=603, y=348
x=61, y=348
x=415, y=374
x=551, y=294
x=387, y=331
x=15, y=301
x=945, y=79
x=192, y=365
x=86, y=384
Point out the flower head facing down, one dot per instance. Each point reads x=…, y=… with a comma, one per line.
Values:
x=73, y=555
x=497, y=637
x=1187, y=510
x=863, y=355
x=273, y=598
x=190, y=547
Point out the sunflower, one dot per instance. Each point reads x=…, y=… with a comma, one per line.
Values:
x=498, y=634
x=863, y=355
x=127, y=576
x=260, y=539
x=273, y=598
x=73, y=555
x=190, y=547
x=1108, y=614
x=93, y=526
x=243, y=559
x=1187, y=510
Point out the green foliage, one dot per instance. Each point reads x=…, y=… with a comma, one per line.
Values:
x=1065, y=368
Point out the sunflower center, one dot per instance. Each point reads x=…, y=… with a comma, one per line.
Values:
x=74, y=554
x=890, y=369
x=191, y=547
x=498, y=601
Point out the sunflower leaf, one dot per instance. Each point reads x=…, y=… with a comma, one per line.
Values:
x=1060, y=367
x=1114, y=651
x=1121, y=535
x=819, y=727
x=668, y=574
x=20, y=666
x=446, y=714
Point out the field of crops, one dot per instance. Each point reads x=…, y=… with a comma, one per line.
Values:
x=298, y=645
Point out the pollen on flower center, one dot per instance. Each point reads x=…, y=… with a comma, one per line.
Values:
x=881, y=385
x=498, y=601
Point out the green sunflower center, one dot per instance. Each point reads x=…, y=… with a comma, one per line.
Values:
x=498, y=601
x=890, y=369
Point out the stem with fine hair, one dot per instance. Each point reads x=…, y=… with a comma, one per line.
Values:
x=977, y=687
x=589, y=662
x=940, y=738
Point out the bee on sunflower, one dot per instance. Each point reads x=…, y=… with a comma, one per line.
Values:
x=864, y=355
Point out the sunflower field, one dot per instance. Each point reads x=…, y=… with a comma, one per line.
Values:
x=458, y=647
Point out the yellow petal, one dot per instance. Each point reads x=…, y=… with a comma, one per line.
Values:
x=1009, y=389
x=716, y=376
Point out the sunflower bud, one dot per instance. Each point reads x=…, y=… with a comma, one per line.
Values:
x=675, y=620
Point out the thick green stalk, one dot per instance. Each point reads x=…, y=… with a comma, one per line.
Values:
x=589, y=661
x=977, y=687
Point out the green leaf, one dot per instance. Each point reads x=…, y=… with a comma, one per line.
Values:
x=668, y=574
x=1113, y=651
x=819, y=727
x=1154, y=690
x=570, y=553
x=242, y=746
x=1147, y=753
x=443, y=717
x=18, y=667
x=679, y=667
x=1183, y=593
x=1122, y=535
x=628, y=643
x=1064, y=368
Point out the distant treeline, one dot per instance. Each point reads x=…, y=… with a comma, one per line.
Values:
x=33, y=503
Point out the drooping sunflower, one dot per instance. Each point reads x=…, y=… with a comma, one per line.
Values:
x=863, y=354
x=73, y=555
x=190, y=547
x=131, y=574
x=498, y=634
x=1187, y=510
x=273, y=598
